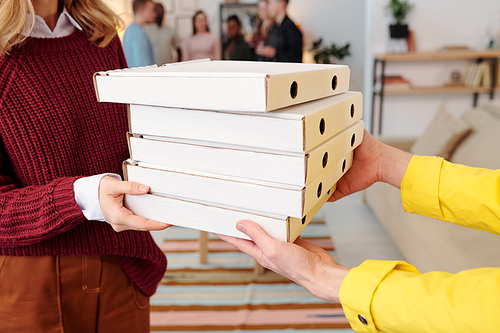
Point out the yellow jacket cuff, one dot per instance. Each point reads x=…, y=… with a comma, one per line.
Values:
x=420, y=186
x=358, y=288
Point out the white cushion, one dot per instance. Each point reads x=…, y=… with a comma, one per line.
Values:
x=441, y=136
x=482, y=148
x=492, y=108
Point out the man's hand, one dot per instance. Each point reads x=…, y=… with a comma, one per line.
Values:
x=111, y=192
x=373, y=162
x=305, y=263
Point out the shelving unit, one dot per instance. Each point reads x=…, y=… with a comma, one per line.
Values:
x=478, y=56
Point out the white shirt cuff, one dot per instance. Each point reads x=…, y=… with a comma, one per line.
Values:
x=87, y=196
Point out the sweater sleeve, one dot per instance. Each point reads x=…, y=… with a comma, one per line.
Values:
x=32, y=214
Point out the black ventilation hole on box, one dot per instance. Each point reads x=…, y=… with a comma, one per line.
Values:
x=325, y=160
x=352, y=110
x=294, y=89
x=304, y=220
x=320, y=188
x=328, y=192
x=343, y=166
x=322, y=126
x=334, y=82
x=353, y=139
x=141, y=136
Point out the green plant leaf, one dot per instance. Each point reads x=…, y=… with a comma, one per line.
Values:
x=399, y=10
x=326, y=55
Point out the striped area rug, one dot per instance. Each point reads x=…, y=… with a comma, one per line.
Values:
x=225, y=295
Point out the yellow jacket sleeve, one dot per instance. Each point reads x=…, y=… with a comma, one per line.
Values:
x=451, y=192
x=392, y=296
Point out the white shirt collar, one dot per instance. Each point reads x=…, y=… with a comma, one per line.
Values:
x=65, y=26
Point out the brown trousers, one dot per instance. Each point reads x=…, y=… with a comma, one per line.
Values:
x=67, y=294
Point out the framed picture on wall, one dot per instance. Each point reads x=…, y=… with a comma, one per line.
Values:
x=120, y=7
x=168, y=5
x=183, y=26
x=170, y=20
x=188, y=5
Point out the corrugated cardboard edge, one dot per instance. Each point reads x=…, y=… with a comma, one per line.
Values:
x=94, y=78
x=310, y=214
x=129, y=118
x=303, y=194
x=306, y=166
x=304, y=134
x=125, y=172
x=129, y=135
x=267, y=92
x=288, y=231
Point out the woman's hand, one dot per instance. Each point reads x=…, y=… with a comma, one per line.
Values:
x=111, y=192
x=266, y=51
x=307, y=264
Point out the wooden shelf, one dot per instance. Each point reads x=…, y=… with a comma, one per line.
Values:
x=444, y=55
x=437, y=90
x=492, y=56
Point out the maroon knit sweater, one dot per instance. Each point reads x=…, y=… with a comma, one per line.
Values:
x=52, y=131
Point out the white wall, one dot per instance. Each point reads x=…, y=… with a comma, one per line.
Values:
x=338, y=21
x=436, y=23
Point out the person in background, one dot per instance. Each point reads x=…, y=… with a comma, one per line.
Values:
x=136, y=43
x=285, y=39
x=235, y=47
x=392, y=296
x=72, y=257
x=163, y=39
x=262, y=27
x=202, y=44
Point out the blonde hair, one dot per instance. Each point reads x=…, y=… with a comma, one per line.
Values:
x=98, y=21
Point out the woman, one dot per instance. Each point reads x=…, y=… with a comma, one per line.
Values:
x=64, y=265
x=262, y=27
x=163, y=38
x=202, y=44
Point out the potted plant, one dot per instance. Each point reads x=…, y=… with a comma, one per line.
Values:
x=399, y=10
x=328, y=55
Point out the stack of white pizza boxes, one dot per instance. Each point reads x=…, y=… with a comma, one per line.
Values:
x=223, y=141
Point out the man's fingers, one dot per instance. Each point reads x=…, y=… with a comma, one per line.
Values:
x=239, y=243
x=255, y=232
x=245, y=246
x=249, y=228
x=307, y=245
x=337, y=195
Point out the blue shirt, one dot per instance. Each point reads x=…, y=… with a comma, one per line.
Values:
x=137, y=47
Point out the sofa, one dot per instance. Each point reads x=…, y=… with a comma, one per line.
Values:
x=472, y=139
